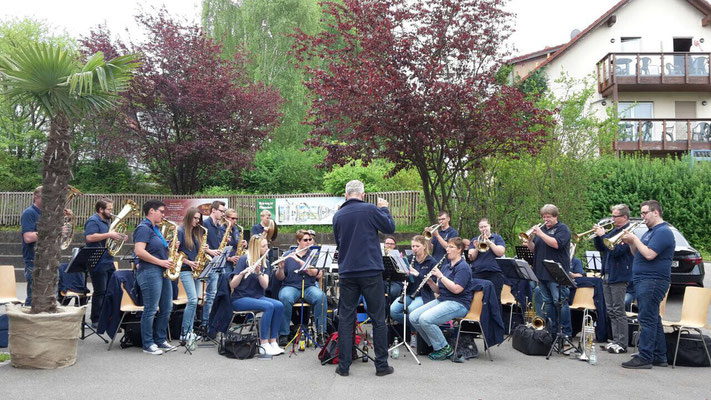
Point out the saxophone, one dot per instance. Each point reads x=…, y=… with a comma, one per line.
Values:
x=201, y=258
x=240, y=249
x=223, y=243
x=174, y=255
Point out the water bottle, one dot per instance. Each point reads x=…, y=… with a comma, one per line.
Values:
x=396, y=351
x=365, y=353
x=413, y=340
x=593, y=356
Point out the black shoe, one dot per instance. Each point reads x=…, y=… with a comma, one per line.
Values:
x=283, y=341
x=637, y=363
x=341, y=372
x=387, y=371
x=660, y=363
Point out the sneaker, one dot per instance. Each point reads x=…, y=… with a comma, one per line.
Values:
x=269, y=350
x=442, y=354
x=637, y=363
x=387, y=371
x=616, y=349
x=276, y=348
x=153, y=350
x=166, y=347
x=660, y=363
x=606, y=346
x=341, y=372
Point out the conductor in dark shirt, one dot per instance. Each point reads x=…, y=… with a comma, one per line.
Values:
x=360, y=268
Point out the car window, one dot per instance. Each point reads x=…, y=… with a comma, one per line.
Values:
x=678, y=237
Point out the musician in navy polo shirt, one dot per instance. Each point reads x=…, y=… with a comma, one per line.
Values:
x=190, y=234
x=484, y=265
x=419, y=267
x=28, y=220
x=215, y=232
x=96, y=231
x=651, y=272
x=453, y=283
x=360, y=266
x=442, y=235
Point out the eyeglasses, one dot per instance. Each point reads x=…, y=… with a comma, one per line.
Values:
x=616, y=216
x=233, y=218
x=643, y=213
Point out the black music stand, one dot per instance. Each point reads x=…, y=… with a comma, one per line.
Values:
x=85, y=260
x=390, y=273
x=524, y=253
x=515, y=268
x=216, y=264
x=562, y=278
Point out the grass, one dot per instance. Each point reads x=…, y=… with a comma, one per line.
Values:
x=4, y=357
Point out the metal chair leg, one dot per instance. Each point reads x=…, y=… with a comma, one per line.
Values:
x=676, y=350
x=486, y=345
x=116, y=333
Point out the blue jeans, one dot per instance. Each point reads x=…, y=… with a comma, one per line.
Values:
x=395, y=290
x=210, y=292
x=28, y=276
x=100, y=277
x=549, y=295
x=157, y=293
x=397, y=309
x=271, y=309
x=190, y=284
x=313, y=295
x=650, y=293
x=427, y=319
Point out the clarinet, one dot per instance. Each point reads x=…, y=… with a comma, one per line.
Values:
x=427, y=277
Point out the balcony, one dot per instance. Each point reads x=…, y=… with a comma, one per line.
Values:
x=654, y=72
x=663, y=135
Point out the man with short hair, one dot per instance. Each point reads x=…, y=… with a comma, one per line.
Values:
x=28, y=221
x=651, y=272
x=232, y=216
x=360, y=267
x=616, y=274
x=96, y=231
x=262, y=228
x=442, y=235
x=215, y=232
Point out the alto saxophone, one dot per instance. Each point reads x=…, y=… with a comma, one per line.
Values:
x=201, y=258
x=223, y=243
x=240, y=248
x=174, y=255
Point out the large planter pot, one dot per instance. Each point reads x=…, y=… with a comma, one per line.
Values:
x=44, y=341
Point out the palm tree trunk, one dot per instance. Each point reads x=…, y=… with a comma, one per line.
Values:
x=56, y=174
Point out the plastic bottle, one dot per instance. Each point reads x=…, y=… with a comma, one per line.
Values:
x=413, y=340
x=396, y=351
x=365, y=353
x=593, y=356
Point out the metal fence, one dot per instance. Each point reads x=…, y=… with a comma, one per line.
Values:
x=403, y=204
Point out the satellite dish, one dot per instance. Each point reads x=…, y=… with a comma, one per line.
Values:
x=574, y=33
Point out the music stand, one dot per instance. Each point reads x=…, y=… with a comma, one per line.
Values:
x=594, y=261
x=391, y=272
x=561, y=278
x=85, y=260
x=310, y=262
x=404, y=325
x=524, y=253
x=216, y=264
x=515, y=268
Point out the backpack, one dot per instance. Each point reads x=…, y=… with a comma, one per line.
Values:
x=329, y=351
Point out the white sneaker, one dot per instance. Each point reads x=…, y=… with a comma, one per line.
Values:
x=153, y=350
x=166, y=347
x=276, y=348
x=268, y=349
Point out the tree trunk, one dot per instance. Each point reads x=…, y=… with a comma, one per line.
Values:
x=56, y=174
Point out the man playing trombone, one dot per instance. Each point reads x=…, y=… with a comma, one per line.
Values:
x=616, y=274
x=483, y=252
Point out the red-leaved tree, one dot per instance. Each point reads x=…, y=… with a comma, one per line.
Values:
x=189, y=112
x=413, y=82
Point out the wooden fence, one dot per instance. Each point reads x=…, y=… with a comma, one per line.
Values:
x=403, y=204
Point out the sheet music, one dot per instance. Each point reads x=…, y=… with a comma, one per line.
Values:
x=399, y=262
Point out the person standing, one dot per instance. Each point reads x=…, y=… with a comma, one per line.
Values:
x=651, y=272
x=360, y=266
x=442, y=235
x=28, y=221
x=484, y=265
x=190, y=235
x=215, y=231
x=616, y=274
x=232, y=216
x=96, y=231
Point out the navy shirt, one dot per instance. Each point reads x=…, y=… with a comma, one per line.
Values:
x=29, y=224
x=190, y=253
x=96, y=224
x=355, y=227
x=214, y=233
x=486, y=261
x=660, y=239
x=249, y=286
x=257, y=229
x=437, y=250
x=423, y=268
x=155, y=244
x=576, y=266
x=542, y=251
x=293, y=279
x=617, y=263
x=461, y=274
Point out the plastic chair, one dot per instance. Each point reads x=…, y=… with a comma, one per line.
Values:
x=127, y=307
x=473, y=317
x=508, y=299
x=8, y=285
x=694, y=309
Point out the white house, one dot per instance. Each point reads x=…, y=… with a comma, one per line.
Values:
x=651, y=59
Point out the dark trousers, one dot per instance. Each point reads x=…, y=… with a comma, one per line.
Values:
x=372, y=290
x=650, y=293
x=495, y=277
x=100, y=277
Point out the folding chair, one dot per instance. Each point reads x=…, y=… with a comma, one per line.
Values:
x=508, y=299
x=694, y=309
x=127, y=307
x=250, y=319
x=473, y=317
x=8, y=285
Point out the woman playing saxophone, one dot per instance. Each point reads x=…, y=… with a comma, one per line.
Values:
x=192, y=236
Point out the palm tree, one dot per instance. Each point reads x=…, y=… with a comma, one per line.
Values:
x=53, y=79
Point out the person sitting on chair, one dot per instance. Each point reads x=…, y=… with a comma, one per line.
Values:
x=249, y=293
x=300, y=285
x=395, y=287
x=419, y=267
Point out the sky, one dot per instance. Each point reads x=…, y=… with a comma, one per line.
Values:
x=539, y=23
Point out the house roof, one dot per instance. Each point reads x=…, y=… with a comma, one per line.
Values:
x=535, y=54
x=701, y=5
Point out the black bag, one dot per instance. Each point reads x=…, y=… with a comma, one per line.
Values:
x=691, y=351
x=239, y=346
x=329, y=351
x=532, y=342
x=131, y=336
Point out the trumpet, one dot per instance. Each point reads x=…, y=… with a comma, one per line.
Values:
x=587, y=338
x=533, y=320
x=427, y=277
x=590, y=234
x=613, y=241
x=526, y=236
x=482, y=246
x=429, y=230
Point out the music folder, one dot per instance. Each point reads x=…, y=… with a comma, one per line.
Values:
x=399, y=262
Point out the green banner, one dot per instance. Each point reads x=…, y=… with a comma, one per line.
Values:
x=266, y=204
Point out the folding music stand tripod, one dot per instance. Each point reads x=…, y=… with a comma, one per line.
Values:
x=86, y=259
x=216, y=264
x=516, y=268
x=404, y=325
x=390, y=273
x=560, y=277
x=302, y=328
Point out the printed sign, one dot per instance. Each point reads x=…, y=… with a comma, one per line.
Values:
x=301, y=210
x=175, y=208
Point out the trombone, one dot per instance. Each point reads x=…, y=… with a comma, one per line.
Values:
x=429, y=230
x=526, y=236
x=613, y=241
x=590, y=234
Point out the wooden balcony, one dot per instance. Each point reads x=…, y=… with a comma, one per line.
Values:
x=654, y=72
x=663, y=135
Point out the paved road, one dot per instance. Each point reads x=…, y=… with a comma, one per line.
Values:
x=128, y=373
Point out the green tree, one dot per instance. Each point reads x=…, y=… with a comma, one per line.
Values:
x=373, y=177
x=51, y=79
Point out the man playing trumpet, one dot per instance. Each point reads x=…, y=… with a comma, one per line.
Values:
x=483, y=252
x=441, y=235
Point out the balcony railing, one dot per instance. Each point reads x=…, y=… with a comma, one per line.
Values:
x=654, y=71
x=663, y=134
